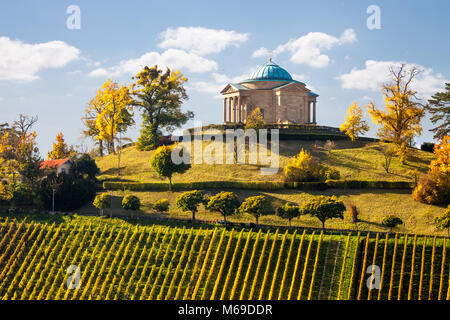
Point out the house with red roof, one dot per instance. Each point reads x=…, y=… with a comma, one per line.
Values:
x=59, y=165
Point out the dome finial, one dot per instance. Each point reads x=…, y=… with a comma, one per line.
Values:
x=270, y=55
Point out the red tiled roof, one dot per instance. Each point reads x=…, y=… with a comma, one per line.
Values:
x=50, y=164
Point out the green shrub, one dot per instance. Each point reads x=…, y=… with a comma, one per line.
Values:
x=257, y=206
x=161, y=205
x=189, y=201
x=427, y=146
x=22, y=195
x=443, y=221
x=288, y=211
x=130, y=202
x=102, y=201
x=330, y=174
x=324, y=208
x=226, y=203
x=161, y=162
x=391, y=221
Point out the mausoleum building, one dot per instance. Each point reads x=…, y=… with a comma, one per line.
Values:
x=272, y=89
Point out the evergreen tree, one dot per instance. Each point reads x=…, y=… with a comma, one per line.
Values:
x=439, y=107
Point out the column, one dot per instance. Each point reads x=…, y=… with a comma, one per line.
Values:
x=245, y=113
x=314, y=112
x=225, y=110
x=309, y=112
x=236, y=110
x=240, y=110
x=230, y=101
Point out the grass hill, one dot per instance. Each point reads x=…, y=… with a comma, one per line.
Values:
x=358, y=161
x=124, y=261
x=355, y=161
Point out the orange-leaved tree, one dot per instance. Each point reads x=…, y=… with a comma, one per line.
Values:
x=442, y=152
x=434, y=188
x=60, y=149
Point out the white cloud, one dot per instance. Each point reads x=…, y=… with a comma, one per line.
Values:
x=100, y=72
x=201, y=40
x=348, y=36
x=261, y=52
x=22, y=61
x=172, y=58
x=376, y=73
x=309, y=49
x=332, y=98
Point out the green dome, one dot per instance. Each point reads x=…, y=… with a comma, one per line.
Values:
x=271, y=71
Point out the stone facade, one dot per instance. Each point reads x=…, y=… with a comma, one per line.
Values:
x=281, y=101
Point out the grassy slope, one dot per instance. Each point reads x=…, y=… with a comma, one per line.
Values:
x=356, y=161
x=169, y=242
x=373, y=205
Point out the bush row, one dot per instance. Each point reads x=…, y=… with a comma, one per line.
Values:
x=257, y=185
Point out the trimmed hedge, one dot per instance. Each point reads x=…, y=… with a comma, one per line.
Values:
x=362, y=184
x=257, y=185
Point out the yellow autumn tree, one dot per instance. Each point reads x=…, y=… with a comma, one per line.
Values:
x=255, y=120
x=60, y=149
x=5, y=149
x=115, y=112
x=442, y=152
x=354, y=124
x=400, y=120
x=93, y=109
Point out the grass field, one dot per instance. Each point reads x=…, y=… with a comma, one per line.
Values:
x=355, y=161
x=373, y=205
x=124, y=261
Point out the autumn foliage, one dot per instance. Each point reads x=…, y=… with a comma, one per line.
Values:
x=400, y=120
x=60, y=149
x=354, y=124
x=434, y=188
x=255, y=120
x=303, y=168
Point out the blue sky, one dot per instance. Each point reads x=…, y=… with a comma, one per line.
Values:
x=51, y=71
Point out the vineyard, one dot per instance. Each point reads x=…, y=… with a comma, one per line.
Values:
x=166, y=262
